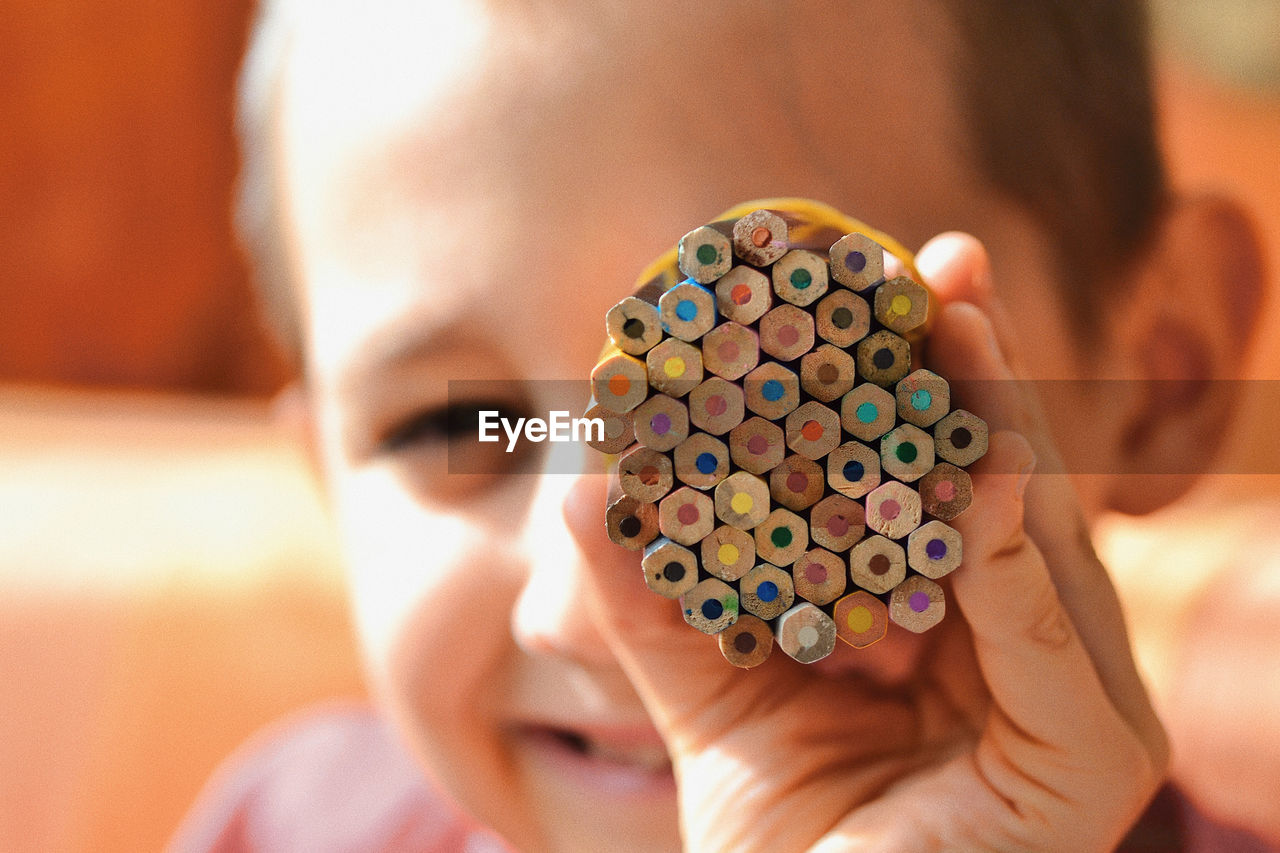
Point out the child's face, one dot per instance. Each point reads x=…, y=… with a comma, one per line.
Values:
x=465, y=196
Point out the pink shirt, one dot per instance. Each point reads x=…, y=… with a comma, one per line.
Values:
x=337, y=780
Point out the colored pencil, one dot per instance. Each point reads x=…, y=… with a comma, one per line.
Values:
x=743, y=295
x=786, y=332
x=701, y=461
x=893, y=509
x=800, y=277
x=757, y=445
x=686, y=516
x=883, y=358
x=619, y=382
x=867, y=412
x=827, y=372
x=716, y=406
x=618, y=434
x=633, y=325
x=806, y=633
x=742, y=500
x=901, y=305
x=660, y=422
x=746, y=643
x=760, y=237
x=728, y=553
x=796, y=483
x=711, y=606
x=768, y=433
x=782, y=537
x=771, y=391
x=877, y=564
x=853, y=469
x=766, y=591
x=961, y=438
x=688, y=311
x=704, y=254
x=946, y=491
x=631, y=523
x=730, y=350
x=922, y=397
x=842, y=318
x=861, y=619
x=836, y=523
x=645, y=474
x=906, y=452
x=934, y=549
x=917, y=604
x=857, y=261
x=820, y=576
x=813, y=430
x=670, y=570
x=674, y=367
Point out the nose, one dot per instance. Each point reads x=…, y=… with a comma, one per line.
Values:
x=553, y=614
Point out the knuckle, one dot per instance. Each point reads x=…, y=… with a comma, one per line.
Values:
x=1013, y=550
x=1046, y=623
x=1041, y=619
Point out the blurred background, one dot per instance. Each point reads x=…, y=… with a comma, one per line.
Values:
x=168, y=584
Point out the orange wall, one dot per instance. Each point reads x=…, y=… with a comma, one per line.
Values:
x=116, y=158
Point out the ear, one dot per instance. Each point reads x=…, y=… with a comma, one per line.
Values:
x=1184, y=328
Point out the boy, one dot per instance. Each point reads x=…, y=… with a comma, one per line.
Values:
x=460, y=190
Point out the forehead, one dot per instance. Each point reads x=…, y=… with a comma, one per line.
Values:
x=433, y=149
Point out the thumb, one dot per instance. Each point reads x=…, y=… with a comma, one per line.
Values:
x=956, y=268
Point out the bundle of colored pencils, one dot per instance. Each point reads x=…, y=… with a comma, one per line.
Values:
x=785, y=468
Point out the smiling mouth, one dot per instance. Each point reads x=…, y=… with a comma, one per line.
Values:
x=628, y=753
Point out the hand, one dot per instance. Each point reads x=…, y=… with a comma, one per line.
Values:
x=1018, y=723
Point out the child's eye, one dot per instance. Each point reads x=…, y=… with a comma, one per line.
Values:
x=452, y=422
x=438, y=449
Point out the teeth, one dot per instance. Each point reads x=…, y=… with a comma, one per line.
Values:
x=652, y=758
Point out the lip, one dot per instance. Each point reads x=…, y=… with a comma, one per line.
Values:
x=599, y=759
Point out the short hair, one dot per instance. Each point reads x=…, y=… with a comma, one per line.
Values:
x=1058, y=112
x=1057, y=97
x=258, y=212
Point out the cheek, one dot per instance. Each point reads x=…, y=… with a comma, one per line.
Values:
x=432, y=601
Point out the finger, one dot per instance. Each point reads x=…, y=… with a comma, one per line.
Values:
x=959, y=265
x=975, y=352
x=1056, y=724
x=958, y=269
x=1053, y=519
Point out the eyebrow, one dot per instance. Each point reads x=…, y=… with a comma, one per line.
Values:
x=423, y=334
